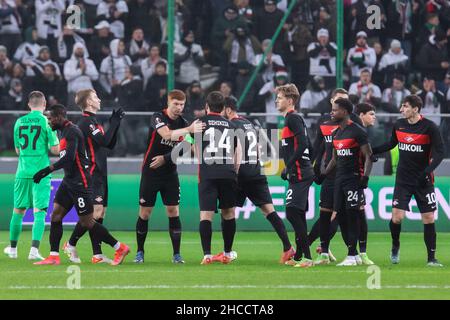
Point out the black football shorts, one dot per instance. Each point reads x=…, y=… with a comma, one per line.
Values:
x=347, y=193
x=168, y=187
x=327, y=194
x=100, y=190
x=212, y=190
x=425, y=197
x=297, y=194
x=257, y=190
x=75, y=196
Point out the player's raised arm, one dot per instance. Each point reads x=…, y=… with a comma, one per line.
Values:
x=388, y=145
x=108, y=139
x=174, y=135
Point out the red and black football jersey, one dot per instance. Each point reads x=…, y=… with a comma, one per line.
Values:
x=248, y=136
x=96, y=143
x=157, y=146
x=417, y=143
x=73, y=157
x=215, y=148
x=296, y=148
x=348, y=142
x=323, y=146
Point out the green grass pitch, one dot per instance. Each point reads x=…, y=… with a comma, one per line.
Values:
x=256, y=273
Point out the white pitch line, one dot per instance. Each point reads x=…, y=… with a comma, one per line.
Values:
x=149, y=270
x=211, y=287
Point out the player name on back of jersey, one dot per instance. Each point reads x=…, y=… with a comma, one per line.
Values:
x=30, y=120
x=218, y=123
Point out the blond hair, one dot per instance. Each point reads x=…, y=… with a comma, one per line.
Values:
x=82, y=96
x=290, y=91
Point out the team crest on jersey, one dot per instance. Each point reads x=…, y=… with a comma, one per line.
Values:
x=340, y=145
x=409, y=139
x=94, y=129
x=159, y=123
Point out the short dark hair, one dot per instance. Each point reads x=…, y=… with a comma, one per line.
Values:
x=414, y=100
x=345, y=104
x=399, y=77
x=364, y=108
x=58, y=110
x=215, y=101
x=338, y=91
x=161, y=63
x=231, y=102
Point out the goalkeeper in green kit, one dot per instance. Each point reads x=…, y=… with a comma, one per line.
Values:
x=33, y=138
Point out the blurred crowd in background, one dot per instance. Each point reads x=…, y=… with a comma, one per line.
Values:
x=120, y=50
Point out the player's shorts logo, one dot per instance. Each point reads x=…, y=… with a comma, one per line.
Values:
x=142, y=201
x=395, y=202
x=99, y=199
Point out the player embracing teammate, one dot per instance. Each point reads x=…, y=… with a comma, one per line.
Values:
x=159, y=173
x=421, y=150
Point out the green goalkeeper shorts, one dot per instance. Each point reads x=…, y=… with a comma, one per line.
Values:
x=28, y=194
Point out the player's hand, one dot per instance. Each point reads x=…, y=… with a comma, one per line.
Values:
x=424, y=179
x=373, y=158
x=157, y=162
x=284, y=174
x=197, y=126
x=364, y=182
x=41, y=174
x=318, y=179
x=117, y=115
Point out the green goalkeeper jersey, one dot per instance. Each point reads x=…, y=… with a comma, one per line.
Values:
x=33, y=137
